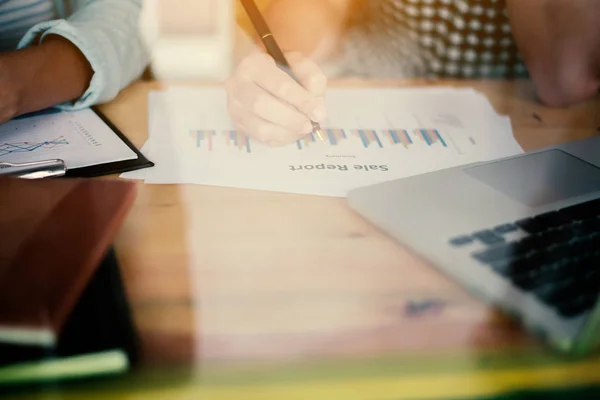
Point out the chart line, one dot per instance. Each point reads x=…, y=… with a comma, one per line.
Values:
x=28, y=147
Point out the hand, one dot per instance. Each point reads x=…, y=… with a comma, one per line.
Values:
x=41, y=76
x=267, y=105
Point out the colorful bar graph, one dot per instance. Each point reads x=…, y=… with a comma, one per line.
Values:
x=304, y=142
x=398, y=136
x=368, y=136
x=335, y=135
x=203, y=136
x=242, y=142
x=430, y=136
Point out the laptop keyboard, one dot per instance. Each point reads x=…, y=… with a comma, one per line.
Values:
x=557, y=257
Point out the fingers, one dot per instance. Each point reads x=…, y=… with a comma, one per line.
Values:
x=273, y=106
x=308, y=72
x=262, y=104
x=279, y=84
x=260, y=129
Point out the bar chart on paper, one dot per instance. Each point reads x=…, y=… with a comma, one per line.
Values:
x=332, y=137
x=404, y=137
x=235, y=139
x=353, y=140
x=203, y=139
x=209, y=141
x=369, y=136
x=404, y=140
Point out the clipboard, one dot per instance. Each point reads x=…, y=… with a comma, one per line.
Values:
x=58, y=168
x=110, y=168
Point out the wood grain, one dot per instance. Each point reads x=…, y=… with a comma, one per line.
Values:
x=219, y=274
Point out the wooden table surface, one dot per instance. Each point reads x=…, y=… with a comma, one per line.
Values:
x=304, y=299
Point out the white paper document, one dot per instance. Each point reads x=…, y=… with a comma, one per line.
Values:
x=371, y=135
x=79, y=138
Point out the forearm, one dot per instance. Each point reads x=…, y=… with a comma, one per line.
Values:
x=312, y=27
x=47, y=74
x=560, y=44
x=106, y=33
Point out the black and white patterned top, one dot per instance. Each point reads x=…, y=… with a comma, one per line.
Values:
x=429, y=38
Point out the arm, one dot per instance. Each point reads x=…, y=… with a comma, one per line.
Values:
x=560, y=44
x=105, y=55
x=312, y=27
x=31, y=79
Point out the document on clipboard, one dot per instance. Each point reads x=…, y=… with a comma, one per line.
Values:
x=83, y=143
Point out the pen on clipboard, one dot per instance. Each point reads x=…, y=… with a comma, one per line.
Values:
x=273, y=49
x=35, y=169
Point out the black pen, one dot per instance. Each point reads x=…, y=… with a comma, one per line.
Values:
x=273, y=49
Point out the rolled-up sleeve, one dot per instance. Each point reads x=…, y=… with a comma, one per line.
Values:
x=107, y=33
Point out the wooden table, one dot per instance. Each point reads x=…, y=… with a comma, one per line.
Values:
x=257, y=295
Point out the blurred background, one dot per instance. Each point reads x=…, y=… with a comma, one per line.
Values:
x=195, y=39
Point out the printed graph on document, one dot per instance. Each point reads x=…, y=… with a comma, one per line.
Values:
x=210, y=140
x=332, y=137
x=370, y=138
x=21, y=141
x=25, y=147
x=413, y=140
x=234, y=139
x=380, y=139
x=203, y=139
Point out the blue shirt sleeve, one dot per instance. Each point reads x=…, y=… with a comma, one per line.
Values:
x=107, y=33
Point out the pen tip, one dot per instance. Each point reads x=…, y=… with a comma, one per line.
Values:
x=319, y=133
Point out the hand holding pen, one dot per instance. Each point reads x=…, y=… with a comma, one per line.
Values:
x=276, y=102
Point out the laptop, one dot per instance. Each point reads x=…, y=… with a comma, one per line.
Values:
x=522, y=233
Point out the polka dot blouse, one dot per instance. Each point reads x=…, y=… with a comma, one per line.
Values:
x=429, y=38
